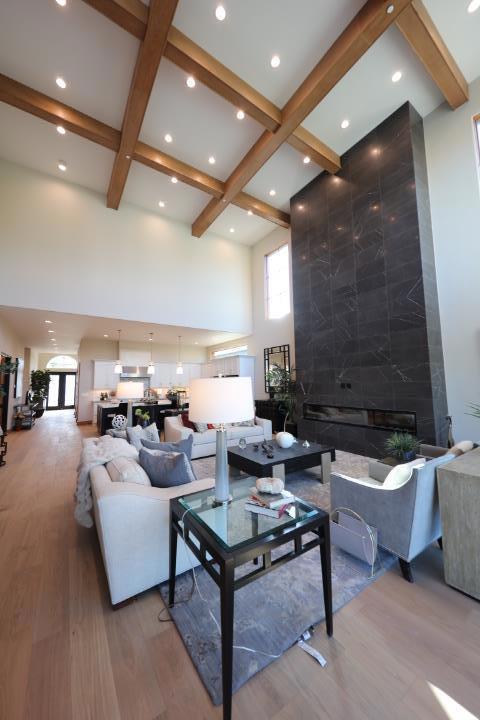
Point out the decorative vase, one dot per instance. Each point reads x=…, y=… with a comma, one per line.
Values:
x=409, y=455
x=285, y=440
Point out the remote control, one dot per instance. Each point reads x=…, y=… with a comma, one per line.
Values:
x=314, y=653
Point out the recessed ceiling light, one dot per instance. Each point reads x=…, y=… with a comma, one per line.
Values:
x=474, y=5
x=62, y=3
x=174, y=179
x=61, y=166
x=344, y=124
x=191, y=81
x=272, y=192
x=300, y=207
x=220, y=13
x=398, y=75
x=390, y=9
x=105, y=336
x=161, y=203
x=211, y=160
x=61, y=83
x=306, y=159
x=275, y=61
x=375, y=151
x=240, y=115
x=249, y=212
x=232, y=230
x=61, y=130
x=49, y=322
x=51, y=331
x=336, y=179
x=168, y=138
x=196, y=342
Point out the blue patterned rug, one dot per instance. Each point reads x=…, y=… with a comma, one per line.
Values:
x=270, y=613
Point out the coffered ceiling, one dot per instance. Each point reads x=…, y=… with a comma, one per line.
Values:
x=41, y=40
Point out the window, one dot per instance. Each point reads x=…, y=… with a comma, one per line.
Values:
x=63, y=362
x=239, y=350
x=277, y=283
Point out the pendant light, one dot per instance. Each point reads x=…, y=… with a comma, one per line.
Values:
x=118, y=369
x=179, y=363
x=151, y=366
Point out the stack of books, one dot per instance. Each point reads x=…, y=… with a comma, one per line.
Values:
x=267, y=504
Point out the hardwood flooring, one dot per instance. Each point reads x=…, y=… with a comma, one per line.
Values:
x=400, y=650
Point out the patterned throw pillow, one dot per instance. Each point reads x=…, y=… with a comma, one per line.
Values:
x=244, y=423
x=201, y=427
x=137, y=433
x=122, y=469
x=166, y=469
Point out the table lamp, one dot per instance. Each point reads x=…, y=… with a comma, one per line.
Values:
x=219, y=401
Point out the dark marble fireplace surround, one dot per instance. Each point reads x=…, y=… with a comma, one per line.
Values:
x=367, y=330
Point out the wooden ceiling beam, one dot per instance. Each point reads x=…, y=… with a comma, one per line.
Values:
x=46, y=108
x=57, y=113
x=366, y=27
x=419, y=30
x=160, y=17
x=195, y=61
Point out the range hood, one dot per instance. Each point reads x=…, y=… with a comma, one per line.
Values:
x=134, y=371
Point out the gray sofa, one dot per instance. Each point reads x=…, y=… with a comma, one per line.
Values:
x=407, y=517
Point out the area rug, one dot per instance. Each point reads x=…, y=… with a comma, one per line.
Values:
x=272, y=612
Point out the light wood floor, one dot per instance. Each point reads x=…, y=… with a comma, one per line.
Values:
x=400, y=651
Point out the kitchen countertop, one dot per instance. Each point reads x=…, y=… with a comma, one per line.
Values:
x=115, y=403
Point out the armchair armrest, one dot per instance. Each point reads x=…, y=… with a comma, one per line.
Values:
x=378, y=470
x=175, y=430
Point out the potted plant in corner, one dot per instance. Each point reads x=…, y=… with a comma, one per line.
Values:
x=282, y=383
x=402, y=446
x=39, y=383
x=143, y=417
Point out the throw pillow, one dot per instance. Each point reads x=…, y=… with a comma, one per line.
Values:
x=186, y=422
x=182, y=446
x=461, y=447
x=166, y=469
x=201, y=427
x=244, y=423
x=401, y=474
x=136, y=433
x=122, y=469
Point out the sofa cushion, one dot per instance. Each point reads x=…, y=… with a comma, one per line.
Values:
x=123, y=469
x=245, y=431
x=209, y=436
x=184, y=446
x=166, y=469
x=136, y=433
x=186, y=422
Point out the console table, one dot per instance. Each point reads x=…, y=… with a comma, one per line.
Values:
x=223, y=538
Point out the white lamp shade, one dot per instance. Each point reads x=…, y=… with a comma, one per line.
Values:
x=130, y=390
x=118, y=369
x=151, y=369
x=221, y=400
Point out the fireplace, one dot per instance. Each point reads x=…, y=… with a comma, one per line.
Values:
x=394, y=420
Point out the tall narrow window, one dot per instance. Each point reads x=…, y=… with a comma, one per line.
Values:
x=277, y=283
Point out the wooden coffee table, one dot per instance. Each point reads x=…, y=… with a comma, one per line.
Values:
x=255, y=462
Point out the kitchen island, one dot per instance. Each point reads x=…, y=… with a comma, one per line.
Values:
x=107, y=410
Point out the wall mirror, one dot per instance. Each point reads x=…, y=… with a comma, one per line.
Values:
x=277, y=356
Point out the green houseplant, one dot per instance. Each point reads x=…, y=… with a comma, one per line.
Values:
x=402, y=446
x=283, y=384
x=143, y=417
x=39, y=383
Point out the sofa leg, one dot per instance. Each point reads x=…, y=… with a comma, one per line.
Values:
x=440, y=543
x=406, y=569
x=122, y=603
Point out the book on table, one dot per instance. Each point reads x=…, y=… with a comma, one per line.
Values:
x=272, y=501
x=270, y=512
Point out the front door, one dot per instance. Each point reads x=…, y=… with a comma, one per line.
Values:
x=61, y=391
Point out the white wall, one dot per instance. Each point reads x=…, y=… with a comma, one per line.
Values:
x=455, y=206
x=11, y=344
x=63, y=250
x=265, y=332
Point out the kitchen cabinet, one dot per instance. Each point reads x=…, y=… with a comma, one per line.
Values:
x=241, y=365
x=104, y=377
x=166, y=374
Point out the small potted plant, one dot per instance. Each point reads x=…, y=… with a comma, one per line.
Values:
x=143, y=418
x=402, y=446
x=283, y=385
x=39, y=383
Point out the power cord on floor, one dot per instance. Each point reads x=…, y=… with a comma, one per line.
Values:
x=196, y=586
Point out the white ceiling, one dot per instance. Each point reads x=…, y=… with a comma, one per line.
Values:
x=69, y=329
x=40, y=40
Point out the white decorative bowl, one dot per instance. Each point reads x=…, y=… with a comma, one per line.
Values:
x=285, y=439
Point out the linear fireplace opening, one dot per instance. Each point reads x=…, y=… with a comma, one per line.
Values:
x=399, y=420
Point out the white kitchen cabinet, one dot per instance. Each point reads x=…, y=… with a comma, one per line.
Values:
x=104, y=377
x=241, y=365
